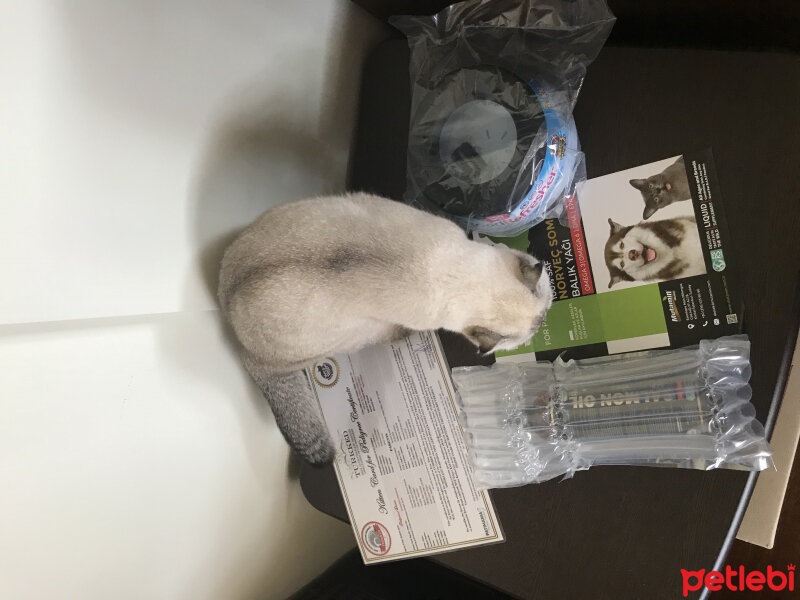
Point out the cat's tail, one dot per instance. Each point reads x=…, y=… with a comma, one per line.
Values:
x=296, y=411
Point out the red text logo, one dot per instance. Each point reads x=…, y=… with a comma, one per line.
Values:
x=738, y=580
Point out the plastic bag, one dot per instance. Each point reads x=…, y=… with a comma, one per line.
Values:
x=690, y=408
x=492, y=143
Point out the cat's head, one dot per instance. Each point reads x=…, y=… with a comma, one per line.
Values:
x=519, y=303
x=657, y=192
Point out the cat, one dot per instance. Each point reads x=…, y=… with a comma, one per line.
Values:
x=663, y=189
x=654, y=251
x=323, y=276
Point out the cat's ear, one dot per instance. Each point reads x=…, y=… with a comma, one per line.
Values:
x=485, y=339
x=638, y=183
x=649, y=211
x=531, y=270
x=615, y=227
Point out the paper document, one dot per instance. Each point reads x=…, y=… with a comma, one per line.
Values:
x=401, y=460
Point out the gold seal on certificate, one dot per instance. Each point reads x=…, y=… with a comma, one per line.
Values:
x=326, y=372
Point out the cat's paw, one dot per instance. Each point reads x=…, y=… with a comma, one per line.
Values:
x=319, y=452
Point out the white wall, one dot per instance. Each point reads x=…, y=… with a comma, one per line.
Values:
x=136, y=458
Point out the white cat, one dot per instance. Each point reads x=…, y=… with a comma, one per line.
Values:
x=323, y=276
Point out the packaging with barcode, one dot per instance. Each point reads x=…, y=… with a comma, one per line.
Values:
x=528, y=422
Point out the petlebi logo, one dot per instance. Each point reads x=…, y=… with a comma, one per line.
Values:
x=739, y=580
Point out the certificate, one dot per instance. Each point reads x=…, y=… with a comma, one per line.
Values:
x=401, y=461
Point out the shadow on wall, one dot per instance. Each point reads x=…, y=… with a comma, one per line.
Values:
x=258, y=159
x=276, y=144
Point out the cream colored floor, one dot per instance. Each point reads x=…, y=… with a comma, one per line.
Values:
x=137, y=460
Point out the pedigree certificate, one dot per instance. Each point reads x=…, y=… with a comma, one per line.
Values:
x=401, y=460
